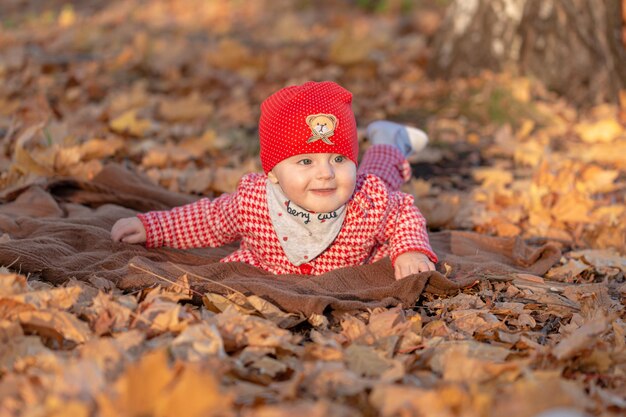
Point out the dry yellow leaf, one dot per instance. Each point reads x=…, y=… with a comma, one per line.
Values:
x=520, y=89
x=219, y=303
x=353, y=329
x=605, y=130
x=136, y=98
x=387, y=322
x=233, y=55
x=473, y=361
x=437, y=328
x=198, y=342
x=597, y=180
x=23, y=161
x=239, y=330
x=525, y=129
x=156, y=157
x=572, y=207
x=320, y=407
x=185, y=109
x=198, y=147
x=472, y=321
x=350, y=47
x=55, y=324
x=582, y=338
x=401, y=400
x=130, y=123
x=493, y=177
x=418, y=187
x=101, y=148
x=601, y=258
x=116, y=314
x=20, y=350
x=65, y=158
x=57, y=407
x=61, y=298
x=67, y=17
x=269, y=366
x=505, y=228
x=609, y=215
x=605, y=153
x=137, y=391
x=162, y=316
x=84, y=171
x=529, y=153
x=275, y=314
x=11, y=284
x=364, y=360
x=569, y=270
x=195, y=393
x=443, y=210
x=539, y=391
x=7, y=106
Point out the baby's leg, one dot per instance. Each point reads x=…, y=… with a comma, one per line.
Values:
x=391, y=144
x=387, y=163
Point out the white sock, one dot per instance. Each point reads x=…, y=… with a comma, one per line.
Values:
x=407, y=139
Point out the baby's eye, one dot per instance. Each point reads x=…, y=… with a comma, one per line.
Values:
x=305, y=161
x=340, y=158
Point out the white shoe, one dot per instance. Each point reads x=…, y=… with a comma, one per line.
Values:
x=409, y=140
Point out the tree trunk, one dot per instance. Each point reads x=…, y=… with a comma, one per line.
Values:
x=576, y=47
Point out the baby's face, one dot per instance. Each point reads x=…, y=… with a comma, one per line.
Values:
x=319, y=182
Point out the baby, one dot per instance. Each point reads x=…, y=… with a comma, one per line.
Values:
x=312, y=211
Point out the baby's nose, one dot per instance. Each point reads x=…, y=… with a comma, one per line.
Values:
x=326, y=171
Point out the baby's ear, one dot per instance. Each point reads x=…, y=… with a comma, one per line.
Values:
x=272, y=177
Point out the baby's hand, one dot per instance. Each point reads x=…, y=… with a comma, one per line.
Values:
x=128, y=230
x=410, y=263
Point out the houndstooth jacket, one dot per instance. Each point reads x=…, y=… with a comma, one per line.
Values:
x=378, y=223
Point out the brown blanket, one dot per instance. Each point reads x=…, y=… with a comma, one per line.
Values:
x=60, y=229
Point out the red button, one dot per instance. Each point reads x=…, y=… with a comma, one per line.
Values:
x=306, y=269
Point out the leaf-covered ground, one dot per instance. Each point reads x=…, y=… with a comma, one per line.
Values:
x=174, y=88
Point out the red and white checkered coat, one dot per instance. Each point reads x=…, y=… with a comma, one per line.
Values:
x=378, y=222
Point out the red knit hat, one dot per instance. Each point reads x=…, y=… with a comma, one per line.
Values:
x=315, y=117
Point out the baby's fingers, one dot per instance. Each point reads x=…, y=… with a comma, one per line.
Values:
x=402, y=270
x=135, y=237
x=424, y=266
x=117, y=234
x=121, y=229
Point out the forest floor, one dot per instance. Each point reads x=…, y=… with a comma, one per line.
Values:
x=173, y=89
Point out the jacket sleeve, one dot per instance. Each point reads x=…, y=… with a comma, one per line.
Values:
x=200, y=224
x=405, y=228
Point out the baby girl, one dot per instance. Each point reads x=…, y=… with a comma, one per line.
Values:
x=315, y=208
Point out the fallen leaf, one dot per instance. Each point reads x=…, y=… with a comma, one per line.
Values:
x=61, y=298
x=12, y=284
x=197, y=342
x=572, y=268
x=364, y=360
x=130, y=123
x=604, y=130
x=275, y=314
x=304, y=407
x=23, y=161
x=473, y=361
x=539, y=391
x=582, y=338
x=184, y=109
x=150, y=387
x=398, y=400
x=56, y=324
x=601, y=258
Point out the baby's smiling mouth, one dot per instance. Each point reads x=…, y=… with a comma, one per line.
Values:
x=323, y=190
